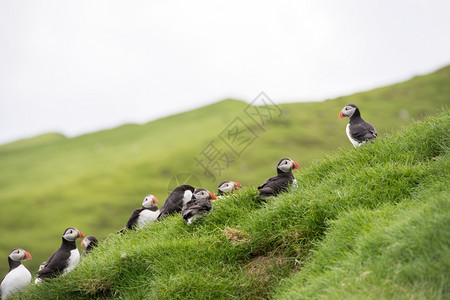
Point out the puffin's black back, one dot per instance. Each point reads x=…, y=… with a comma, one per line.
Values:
x=359, y=129
x=276, y=184
x=196, y=207
x=174, y=203
x=57, y=262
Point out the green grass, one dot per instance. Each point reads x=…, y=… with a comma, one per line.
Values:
x=396, y=251
x=370, y=222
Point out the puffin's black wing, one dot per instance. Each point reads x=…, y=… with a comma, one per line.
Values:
x=55, y=264
x=173, y=204
x=362, y=131
x=267, y=182
x=133, y=218
x=274, y=185
x=50, y=258
x=196, y=207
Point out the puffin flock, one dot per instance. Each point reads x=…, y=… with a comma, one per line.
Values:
x=192, y=202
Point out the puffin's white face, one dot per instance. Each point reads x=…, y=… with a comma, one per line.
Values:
x=88, y=240
x=204, y=194
x=347, y=111
x=71, y=234
x=149, y=201
x=287, y=165
x=85, y=242
x=229, y=186
x=19, y=254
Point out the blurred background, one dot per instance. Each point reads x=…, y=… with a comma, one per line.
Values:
x=103, y=103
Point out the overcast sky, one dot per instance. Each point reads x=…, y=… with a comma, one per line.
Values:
x=81, y=66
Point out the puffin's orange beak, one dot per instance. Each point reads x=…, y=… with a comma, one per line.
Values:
x=213, y=197
x=155, y=200
x=238, y=184
x=296, y=165
x=83, y=244
x=80, y=234
x=341, y=116
x=27, y=255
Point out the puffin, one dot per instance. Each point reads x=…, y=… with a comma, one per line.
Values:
x=358, y=130
x=199, y=205
x=18, y=276
x=145, y=215
x=280, y=183
x=90, y=242
x=227, y=187
x=177, y=198
x=66, y=258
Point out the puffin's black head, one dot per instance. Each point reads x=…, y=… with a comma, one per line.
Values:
x=149, y=201
x=19, y=254
x=287, y=165
x=71, y=234
x=228, y=186
x=90, y=240
x=202, y=193
x=348, y=111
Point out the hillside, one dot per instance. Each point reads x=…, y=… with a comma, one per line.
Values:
x=371, y=222
x=94, y=181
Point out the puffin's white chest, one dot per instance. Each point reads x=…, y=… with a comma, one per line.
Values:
x=147, y=216
x=354, y=142
x=294, y=185
x=15, y=280
x=73, y=261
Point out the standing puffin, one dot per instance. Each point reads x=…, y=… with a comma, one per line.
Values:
x=18, y=276
x=199, y=205
x=90, y=242
x=227, y=187
x=277, y=184
x=358, y=130
x=66, y=258
x=177, y=198
x=145, y=215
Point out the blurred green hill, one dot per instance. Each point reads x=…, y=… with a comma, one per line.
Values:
x=94, y=181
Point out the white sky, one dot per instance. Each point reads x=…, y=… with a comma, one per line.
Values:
x=80, y=66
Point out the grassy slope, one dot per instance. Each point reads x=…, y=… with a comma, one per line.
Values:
x=94, y=181
x=365, y=223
